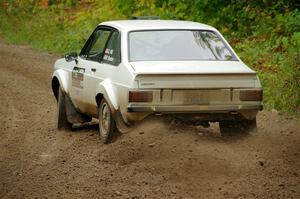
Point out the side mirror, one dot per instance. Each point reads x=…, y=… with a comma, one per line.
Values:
x=71, y=57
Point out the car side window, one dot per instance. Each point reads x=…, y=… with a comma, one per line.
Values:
x=112, y=53
x=96, y=48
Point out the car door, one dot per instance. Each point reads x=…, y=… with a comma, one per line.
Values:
x=83, y=86
x=99, y=62
x=104, y=69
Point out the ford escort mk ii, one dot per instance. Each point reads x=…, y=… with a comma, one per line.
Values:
x=130, y=69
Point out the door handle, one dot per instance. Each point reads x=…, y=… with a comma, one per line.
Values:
x=93, y=69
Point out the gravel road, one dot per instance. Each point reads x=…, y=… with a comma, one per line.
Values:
x=157, y=159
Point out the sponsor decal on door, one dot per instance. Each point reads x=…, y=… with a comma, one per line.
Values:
x=78, y=77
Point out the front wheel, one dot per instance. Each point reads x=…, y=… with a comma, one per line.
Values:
x=107, y=126
x=233, y=127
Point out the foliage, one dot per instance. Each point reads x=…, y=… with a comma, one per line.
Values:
x=265, y=33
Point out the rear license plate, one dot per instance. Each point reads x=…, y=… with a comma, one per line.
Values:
x=190, y=97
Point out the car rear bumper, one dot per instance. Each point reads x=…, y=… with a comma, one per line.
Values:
x=193, y=108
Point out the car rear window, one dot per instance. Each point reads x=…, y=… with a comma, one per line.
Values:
x=177, y=45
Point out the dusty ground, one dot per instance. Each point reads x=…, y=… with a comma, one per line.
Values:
x=155, y=160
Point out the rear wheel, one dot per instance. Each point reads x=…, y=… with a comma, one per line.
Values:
x=107, y=126
x=62, y=121
x=233, y=127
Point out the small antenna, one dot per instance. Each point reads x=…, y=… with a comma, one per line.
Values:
x=145, y=17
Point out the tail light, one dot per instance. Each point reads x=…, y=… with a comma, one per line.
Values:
x=140, y=96
x=251, y=95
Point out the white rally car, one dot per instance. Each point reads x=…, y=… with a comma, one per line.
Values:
x=130, y=69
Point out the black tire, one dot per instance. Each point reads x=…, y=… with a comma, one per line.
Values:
x=107, y=125
x=62, y=121
x=233, y=127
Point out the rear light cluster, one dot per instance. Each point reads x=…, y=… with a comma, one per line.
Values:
x=140, y=96
x=251, y=95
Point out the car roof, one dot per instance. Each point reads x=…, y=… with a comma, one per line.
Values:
x=131, y=25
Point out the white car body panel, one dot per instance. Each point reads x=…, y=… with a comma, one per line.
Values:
x=197, y=81
x=191, y=67
x=132, y=25
x=106, y=87
x=62, y=71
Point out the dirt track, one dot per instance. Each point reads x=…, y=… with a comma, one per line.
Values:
x=156, y=160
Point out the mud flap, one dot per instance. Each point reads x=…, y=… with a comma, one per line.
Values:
x=74, y=116
x=122, y=126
